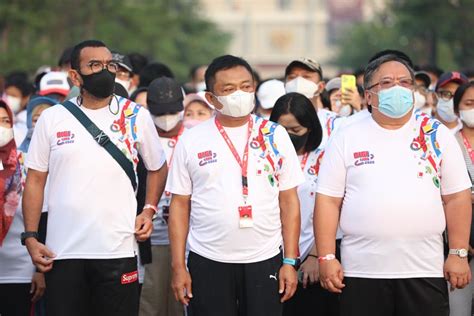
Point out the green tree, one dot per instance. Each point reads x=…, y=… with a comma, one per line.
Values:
x=435, y=31
x=173, y=32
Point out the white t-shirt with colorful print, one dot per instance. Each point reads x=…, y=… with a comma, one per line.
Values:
x=91, y=202
x=391, y=182
x=204, y=167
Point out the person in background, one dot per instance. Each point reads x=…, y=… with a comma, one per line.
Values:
x=153, y=71
x=17, y=94
x=460, y=300
x=165, y=102
x=343, y=104
x=64, y=62
x=434, y=72
x=267, y=93
x=197, y=83
x=54, y=85
x=359, y=74
x=196, y=110
x=20, y=286
x=297, y=115
x=139, y=96
x=421, y=94
x=124, y=73
x=138, y=62
x=446, y=86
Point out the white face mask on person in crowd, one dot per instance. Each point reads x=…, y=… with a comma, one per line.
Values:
x=420, y=100
x=200, y=86
x=467, y=116
x=445, y=110
x=6, y=135
x=343, y=110
x=237, y=104
x=303, y=86
x=14, y=103
x=124, y=83
x=167, y=122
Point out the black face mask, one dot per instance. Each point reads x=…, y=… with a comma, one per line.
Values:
x=100, y=85
x=298, y=141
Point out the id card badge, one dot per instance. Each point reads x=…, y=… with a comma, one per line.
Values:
x=245, y=216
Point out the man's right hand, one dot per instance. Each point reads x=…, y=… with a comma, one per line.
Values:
x=181, y=284
x=331, y=275
x=41, y=256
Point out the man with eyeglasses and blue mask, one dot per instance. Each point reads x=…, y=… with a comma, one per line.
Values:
x=393, y=181
x=89, y=257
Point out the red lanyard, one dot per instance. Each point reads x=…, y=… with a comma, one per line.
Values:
x=304, y=160
x=243, y=163
x=468, y=147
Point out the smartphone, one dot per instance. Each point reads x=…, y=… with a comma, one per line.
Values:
x=348, y=81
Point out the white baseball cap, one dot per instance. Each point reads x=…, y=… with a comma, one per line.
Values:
x=269, y=92
x=54, y=82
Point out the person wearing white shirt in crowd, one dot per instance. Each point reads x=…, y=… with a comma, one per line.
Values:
x=90, y=249
x=297, y=115
x=233, y=182
x=394, y=181
x=446, y=86
x=165, y=102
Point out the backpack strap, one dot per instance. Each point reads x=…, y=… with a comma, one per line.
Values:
x=104, y=141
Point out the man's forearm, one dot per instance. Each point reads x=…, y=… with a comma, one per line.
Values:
x=178, y=227
x=155, y=185
x=290, y=221
x=32, y=202
x=458, y=211
x=326, y=219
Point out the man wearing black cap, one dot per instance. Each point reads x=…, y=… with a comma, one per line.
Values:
x=165, y=102
x=446, y=86
x=124, y=72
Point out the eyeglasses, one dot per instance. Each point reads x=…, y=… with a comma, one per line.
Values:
x=98, y=66
x=390, y=82
x=445, y=95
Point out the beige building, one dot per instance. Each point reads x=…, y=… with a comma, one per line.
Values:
x=270, y=33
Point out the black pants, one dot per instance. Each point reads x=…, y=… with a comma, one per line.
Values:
x=92, y=287
x=15, y=299
x=314, y=300
x=395, y=297
x=230, y=289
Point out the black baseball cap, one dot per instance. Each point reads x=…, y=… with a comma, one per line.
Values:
x=122, y=60
x=165, y=95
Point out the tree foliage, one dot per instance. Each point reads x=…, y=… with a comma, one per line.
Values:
x=33, y=33
x=435, y=31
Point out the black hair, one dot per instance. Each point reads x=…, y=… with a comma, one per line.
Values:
x=20, y=81
x=459, y=94
x=223, y=63
x=375, y=64
x=303, y=110
x=65, y=58
x=76, y=52
x=194, y=69
x=138, y=62
x=359, y=72
x=469, y=72
x=399, y=54
x=153, y=71
x=135, y=93
x=432, y=68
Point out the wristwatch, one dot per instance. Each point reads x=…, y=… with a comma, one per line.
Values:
x=26, y=235
x=462, y=253
x=295, y=262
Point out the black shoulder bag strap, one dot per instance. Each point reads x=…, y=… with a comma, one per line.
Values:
x=103, y=140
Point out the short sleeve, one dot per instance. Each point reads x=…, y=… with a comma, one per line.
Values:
x=332, y=174
x=150, y=147
x=290, y=174
x=39, y=150
x=179, y=178
x=454, y=176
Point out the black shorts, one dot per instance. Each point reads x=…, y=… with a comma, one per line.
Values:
x=395, y=297
x=92, y=287
x=230, y=289
x=15, y=299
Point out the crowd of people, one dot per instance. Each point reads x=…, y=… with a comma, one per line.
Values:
x=126, y=192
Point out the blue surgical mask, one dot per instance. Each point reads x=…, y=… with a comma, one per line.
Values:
x=395, y=102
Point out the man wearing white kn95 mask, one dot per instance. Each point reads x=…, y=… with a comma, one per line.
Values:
x=233, y=182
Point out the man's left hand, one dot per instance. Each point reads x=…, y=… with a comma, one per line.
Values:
x=288, y=282
x=38, y=286
x=457, y=272
x=144, y=225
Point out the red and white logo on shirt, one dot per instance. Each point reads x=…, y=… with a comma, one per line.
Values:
x=64, y=137
x=206, y=157
x=363, y=158
x=129, y=277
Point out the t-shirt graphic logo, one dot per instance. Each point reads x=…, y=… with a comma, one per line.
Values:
x=64, y=137
x=129, y=277
x=207, y=157
x=363, y=158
